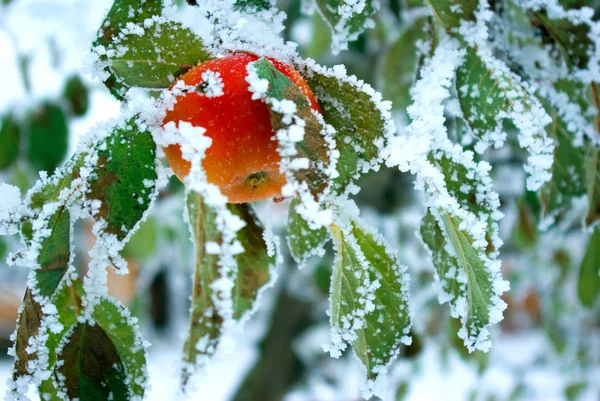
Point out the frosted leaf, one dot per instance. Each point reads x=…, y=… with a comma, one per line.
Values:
x=369, y=298
x=347, y=19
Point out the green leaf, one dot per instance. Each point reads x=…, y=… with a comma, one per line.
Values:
x=254, y=264
x=388, y=326
x=143, y=242
x=450, y=13
x=53, y=259
x=77, y=96
x=121, y=13
x=313, y=146
x=55, y=253
x=205, y=322
x=345, y=22
x=592, y=182
x=568, y=169
x=122, y=330
x=10, y=141
x=525, y=232
x=254, y=5
x=92, y=369
x=369, y=298
x=48, y=137
x=125, y=178
x=401, y=63
x=588, y=285
x=360, y=124
x=487, y=94
x=254, y=271
x=464, y=278
x=302, y=240
x=157, y=57
x=573, y=40
x=67, y=300
x=3, y=249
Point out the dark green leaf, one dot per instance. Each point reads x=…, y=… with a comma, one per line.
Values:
x=573, y=40
x=205, y=322
x=10, y=141
x=122, y=12
x=77, y=96
x=254, y=269
x=67, y=300
x=487, y=94
x=53, y=259
x=55, y=253
x=48, y=137
x=346, y=25
x=302, y=240
x=360, y=125
x=588, y=286
x=254, y=5
x=254, y=264
x=156, y=58
x=401, y=62
x=592, y=182
x=92, y=368
x=450, y=13
x=123, y=332
x=3, y=249
x=125, y=178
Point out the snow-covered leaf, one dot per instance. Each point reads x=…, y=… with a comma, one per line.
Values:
x=92, y=368
x=205, y=322
x=568, y=169
x=155, y=53
x=55, y=253
x=450, y=13
x=400, y=63
x=489, y=93
x=255, y=266
x=122, y=330
x=347, y=19
x=125, y=178
x=122, y=342
x=359, y=115
x=120, y=14
x=464, y=279
x=47, y=137
x=588, y=287
x=369, y=298
x=10, y=141
x=573, y=39
x=53, y=260
x=302, y=240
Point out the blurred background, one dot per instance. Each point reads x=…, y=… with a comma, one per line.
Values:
x=546, y=348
